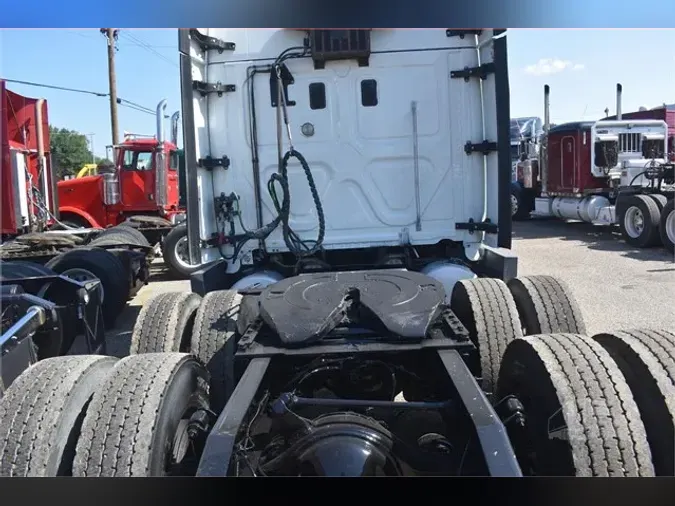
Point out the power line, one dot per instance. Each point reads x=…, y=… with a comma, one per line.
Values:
x=62, y=88
x=80, y=34
x=139, y=108
x=174, y=48
x=147, y=47
x=120, y=101
x=124, y=44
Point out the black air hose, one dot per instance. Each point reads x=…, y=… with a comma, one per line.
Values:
x=293, y=242
x=296, y=245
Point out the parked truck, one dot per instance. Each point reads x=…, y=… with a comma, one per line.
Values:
x=140, y=190
x=363, y=316
x=615, y=171
x=118, y=257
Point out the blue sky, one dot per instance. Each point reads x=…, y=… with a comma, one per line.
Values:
x=581, y=66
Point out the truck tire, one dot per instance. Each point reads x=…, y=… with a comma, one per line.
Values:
x=96, y=263
x=17, y=269
x=647, y=360
x=42, y=411
x=214, y=342
x=136, y=424
x=580, y=418
x=659, y=200
x=120, y=235
x=546, y=306
x=174, y=251
x=667, y=226
x=164, y=324
x=487, y=310
x=639, y=221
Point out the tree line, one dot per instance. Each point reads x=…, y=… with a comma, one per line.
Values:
x=70, y=152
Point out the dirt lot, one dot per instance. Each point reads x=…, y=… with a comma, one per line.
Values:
x=616, y=286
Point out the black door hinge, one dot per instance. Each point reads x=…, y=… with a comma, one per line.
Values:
x=206, y=88
x=481, y=226
x=467, y=73
x=462, y=33
x=210, y=163
x=484, y=147
x=205, y=42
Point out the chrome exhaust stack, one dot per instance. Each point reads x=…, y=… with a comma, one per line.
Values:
x=619, y=90
x=174, y=127
x=161, y=107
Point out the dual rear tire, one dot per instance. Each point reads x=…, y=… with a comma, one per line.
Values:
x=600, y=406
x=646, y=221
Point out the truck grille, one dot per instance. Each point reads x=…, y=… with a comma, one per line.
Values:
x=630, y=143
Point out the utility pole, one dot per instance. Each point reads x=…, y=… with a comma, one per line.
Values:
x=111, y=35
x=91, y=145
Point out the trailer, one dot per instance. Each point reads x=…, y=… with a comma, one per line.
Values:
x=140, y=190
x=615, y=171
x=364, y=317
x=119, y=257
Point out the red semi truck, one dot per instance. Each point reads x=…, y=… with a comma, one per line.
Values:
x=141, y=190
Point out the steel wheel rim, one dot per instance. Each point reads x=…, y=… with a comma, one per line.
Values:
x=634, y=222
x=670, y=227
x=181, y=252
x=79, y=274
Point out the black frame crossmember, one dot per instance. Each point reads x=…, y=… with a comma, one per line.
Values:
x=205, y=88
x=482, y=226
x=486, y=147
x=461, y=33
x=210, y=163
x=205, y=42
x=482, y=72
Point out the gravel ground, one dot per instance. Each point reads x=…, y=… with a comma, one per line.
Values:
x=617, y=287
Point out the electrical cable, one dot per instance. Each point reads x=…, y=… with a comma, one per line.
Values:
x=120, y=101
x=147, y=47
x=51, y=86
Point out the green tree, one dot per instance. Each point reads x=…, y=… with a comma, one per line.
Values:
x=69, y=150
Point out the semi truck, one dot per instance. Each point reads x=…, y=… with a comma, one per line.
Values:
x=140, y=190
x=358, y=311
x=117, y=257
x=615, y=171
